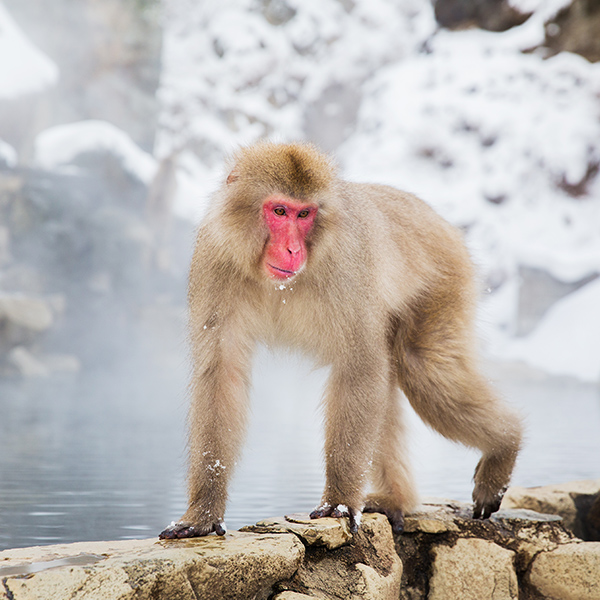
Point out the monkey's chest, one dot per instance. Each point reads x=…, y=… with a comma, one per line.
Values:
x=293, y=321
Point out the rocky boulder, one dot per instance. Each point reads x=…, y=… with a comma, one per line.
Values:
x=240, y=565
x=577, y=502
x=442, y=554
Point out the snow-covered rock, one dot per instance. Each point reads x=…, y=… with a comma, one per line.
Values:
x=567, y=341
x=499, y=139
x=8, y=155
x=23, y=68
x=59, y=146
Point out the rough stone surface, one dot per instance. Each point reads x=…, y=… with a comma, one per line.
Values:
x=432, y=517
x=328, y=532
x=494, y=15
x=473, y=570
x=571, y=572
x=576, y=28
x=367, y=568
x=573, y=501
x=440, y=523
x=443, y=554
x=239, y=565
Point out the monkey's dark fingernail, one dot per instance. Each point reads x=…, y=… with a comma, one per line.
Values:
x=398, y=528
x=220, y=528
x=321, y=511
x=397, y=521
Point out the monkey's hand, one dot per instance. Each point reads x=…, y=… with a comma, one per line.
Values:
x=341, y=510
x=485, y=505
x=185, y=529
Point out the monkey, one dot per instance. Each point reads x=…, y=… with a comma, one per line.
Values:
x=367, y=280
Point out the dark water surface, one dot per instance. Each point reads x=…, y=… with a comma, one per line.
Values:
x=101, y=456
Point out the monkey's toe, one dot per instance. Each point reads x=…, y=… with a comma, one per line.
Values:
x=395, y=516
x=183, y=529
x=324, y=510
x=337, y=512
x=485, y=511
x=484, y=508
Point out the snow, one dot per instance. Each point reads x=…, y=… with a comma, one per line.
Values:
x=23, y=68
x=503, y=143
x=567, y=342
x=8, y=155
x=58, y=146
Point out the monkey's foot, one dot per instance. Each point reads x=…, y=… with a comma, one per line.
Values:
x=483, y=506
x=341, y=510
x=185, y=529
x=395, y=515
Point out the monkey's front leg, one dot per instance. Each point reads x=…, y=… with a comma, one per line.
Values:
x=217, y=422
x=354, y=409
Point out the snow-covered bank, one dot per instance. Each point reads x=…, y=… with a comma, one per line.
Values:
x=567, y=341
x=58, y=146
x=501, y=140
x=23, y=68
x=504, y=143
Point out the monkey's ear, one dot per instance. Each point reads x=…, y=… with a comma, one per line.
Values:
x=233, y=176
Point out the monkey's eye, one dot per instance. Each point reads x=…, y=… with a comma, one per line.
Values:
x=303, y=214
x=279, y=211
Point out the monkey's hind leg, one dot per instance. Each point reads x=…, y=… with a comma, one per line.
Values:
x=394, y=491
x=454, y=399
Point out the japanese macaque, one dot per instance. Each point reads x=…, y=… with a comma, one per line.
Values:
x=364, y=278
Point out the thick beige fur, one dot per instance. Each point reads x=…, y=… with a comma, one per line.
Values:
x=387, y=299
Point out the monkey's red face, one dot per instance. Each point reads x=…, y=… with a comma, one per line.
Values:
x=289, y=222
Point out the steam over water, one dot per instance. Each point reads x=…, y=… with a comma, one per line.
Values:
x=101, y=455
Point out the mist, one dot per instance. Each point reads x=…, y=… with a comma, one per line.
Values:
x=115, y=120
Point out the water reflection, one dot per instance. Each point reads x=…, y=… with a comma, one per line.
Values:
x=102, y=455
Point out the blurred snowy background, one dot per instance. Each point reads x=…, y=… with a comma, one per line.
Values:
x=115, y=117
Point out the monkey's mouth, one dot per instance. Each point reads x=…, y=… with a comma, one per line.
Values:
x=280, y=273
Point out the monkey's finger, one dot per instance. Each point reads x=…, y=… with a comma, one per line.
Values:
x=178, y=530
x=340, y=511
x=325, y=510
x=183, y=529
x=220, y=528
x=477, y=509
x=354, y=516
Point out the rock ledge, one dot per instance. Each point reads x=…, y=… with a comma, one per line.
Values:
x=443, y=553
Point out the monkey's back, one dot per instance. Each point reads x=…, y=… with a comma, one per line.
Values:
x=412, y=241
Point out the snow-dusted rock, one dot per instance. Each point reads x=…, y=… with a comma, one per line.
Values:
x=23, y=68
x=573, y=501
x=59, y=146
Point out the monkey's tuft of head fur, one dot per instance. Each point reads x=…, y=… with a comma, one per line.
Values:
x=296, y=170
